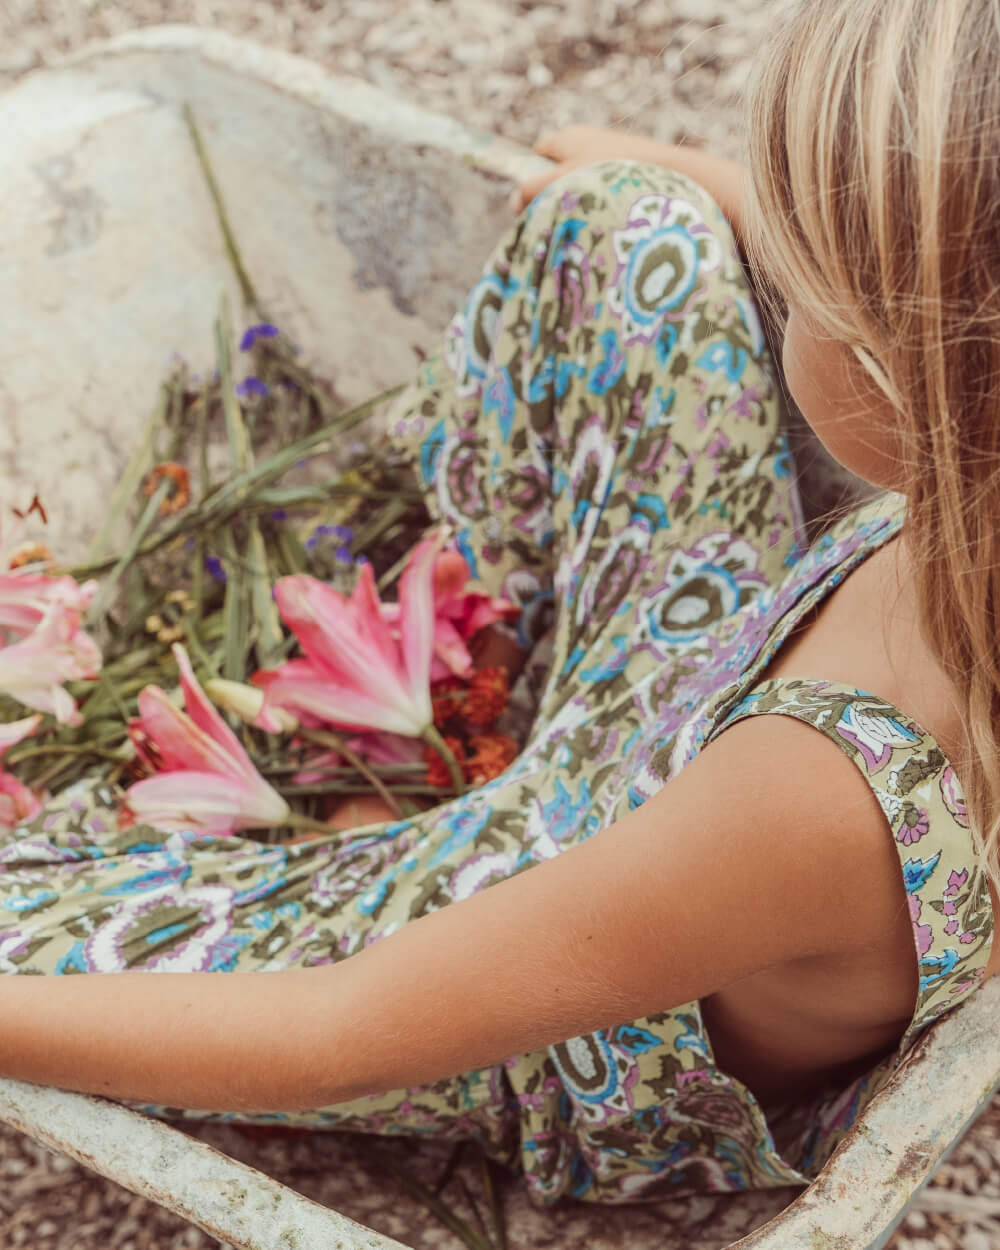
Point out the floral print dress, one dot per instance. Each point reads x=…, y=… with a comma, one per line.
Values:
x=601, y=432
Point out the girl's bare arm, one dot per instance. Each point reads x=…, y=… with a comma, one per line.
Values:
x=735, y=866
x=576, y=146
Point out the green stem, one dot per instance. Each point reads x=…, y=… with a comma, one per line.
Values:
x=232, y=250
x=107, y=589
x=130, y=479
x=434, y=739
x=63, y=748
x=295, y=820
x=232, y=496
x=336, y=743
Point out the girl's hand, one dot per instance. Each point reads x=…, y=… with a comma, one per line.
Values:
x=576, y=146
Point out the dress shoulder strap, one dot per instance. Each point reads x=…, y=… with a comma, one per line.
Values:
x=916, y=787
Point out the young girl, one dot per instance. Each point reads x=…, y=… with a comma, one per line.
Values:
x=749, y=851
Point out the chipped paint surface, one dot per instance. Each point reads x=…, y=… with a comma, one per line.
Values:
x=230, y=1201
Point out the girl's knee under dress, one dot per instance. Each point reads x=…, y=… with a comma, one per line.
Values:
x=602, y=434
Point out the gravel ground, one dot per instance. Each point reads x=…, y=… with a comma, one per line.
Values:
x=668, y=68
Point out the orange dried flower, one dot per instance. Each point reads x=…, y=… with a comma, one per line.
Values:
x=492, y=753
x=30, y=553
x=170, y=471
x=437, y=769
x=447, y=700
x=489, y=694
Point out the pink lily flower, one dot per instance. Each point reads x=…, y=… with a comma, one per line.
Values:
x=25, y=597
x=356, y=675
x=33, y=669
x=17, y=802
x=207, y=782
x=459, y=613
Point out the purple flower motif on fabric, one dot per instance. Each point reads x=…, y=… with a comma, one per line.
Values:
x=915, y=824
x=954, y=800
x=252, y=386
x=263, y=331
x=922, y=932
x=874, y=735
x=955, y=882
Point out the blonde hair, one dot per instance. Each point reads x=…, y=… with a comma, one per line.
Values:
x=874, y=198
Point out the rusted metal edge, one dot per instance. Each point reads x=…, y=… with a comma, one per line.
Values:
x=229, y=1200
x=903, y=1135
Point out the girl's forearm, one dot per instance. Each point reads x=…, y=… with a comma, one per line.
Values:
x=208, y=1041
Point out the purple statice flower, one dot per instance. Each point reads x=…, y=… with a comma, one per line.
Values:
x=214, y=567
x=278, y=514
x=264, y=331
x=344, y=555
x=252, y=386
x=343, y=532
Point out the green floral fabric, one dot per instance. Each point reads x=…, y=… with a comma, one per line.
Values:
x=601, y=433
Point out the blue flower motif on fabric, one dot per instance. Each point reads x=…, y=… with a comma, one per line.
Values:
x=606, y=373
x=465, y=827
x=466, y=549
x=691, y=1040
x=945, y=962
x=665, y=344
x=498, y=399
x=724, y=358
x=430, y=451
x=783, y=460
x=581, y=1177
x=73, y=961
x=651, y=509
x=567, y=231
x=30, y=902
x=226, y=952
x=637, y=261
x=610, y=667
x=636, y=1040
x=561, y=814
x=153, y=880
x=372, y=899
x=917, y=871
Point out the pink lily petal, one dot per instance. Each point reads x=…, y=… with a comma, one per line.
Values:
x=16, y=731
x=202, y=711
x=178, y=741
x=17, y=802
x=33, y=669
x=416, y=602
x=178, y=801
x=25, y=597
x=451, y=572
x=366, y=604
x=327, y=626
x=451, y=650
x=305, y=690
x=483, y=611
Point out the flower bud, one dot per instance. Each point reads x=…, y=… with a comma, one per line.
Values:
x=247, y=702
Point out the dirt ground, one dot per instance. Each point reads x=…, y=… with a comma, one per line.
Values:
x=667, y=68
